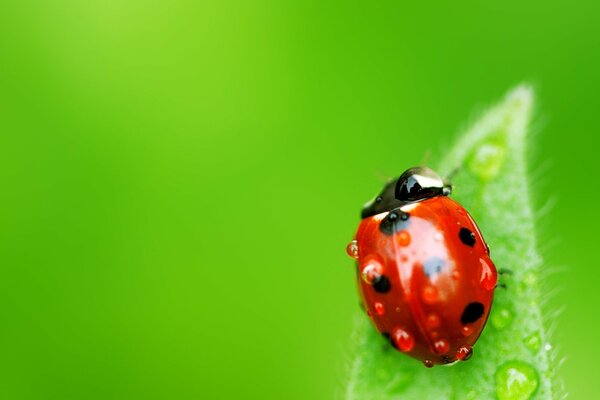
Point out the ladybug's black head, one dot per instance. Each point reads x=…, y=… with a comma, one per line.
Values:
x=415, y=184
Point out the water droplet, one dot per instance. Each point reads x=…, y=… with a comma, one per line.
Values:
x=455, y=275
x=441, y=346
x=438, y=237
x=487, y=160
x=429, y=294
x=379, y=309
x=530, y=279
x=516, y=380
x=464, y=353
x=428, y=363
x=501, y=318
x=403, y=340
x=403, y=238
x=352, y=249
x=547, y=347
x=372, y=271
x=433, y=321
x=466, y=330
x=489, y=276
x=398, y=309
x=534, y=342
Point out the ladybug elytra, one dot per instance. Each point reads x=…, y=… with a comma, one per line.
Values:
x=424, y=270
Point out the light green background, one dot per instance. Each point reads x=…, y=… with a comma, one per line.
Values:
x=178, y=180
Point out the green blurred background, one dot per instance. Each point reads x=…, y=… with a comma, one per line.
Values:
x=179, y=180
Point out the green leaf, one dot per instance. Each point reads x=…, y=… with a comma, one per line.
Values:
x=512, y=358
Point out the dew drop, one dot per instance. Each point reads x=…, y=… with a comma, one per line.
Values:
x=379, y=309
x=534, y=342
x=429, y=294
x=489, y=276
x=464, y=353
x=530, y=279
x=428, y=363
x=547, y=347
x=501, y=318
x=466, y=330
x=441, y=346
x=438, y=237
x=372, y=271
x=403, y=340
x=487, y=161
x=403, y=238
x=352, y=249
x=516, y=380
x=433, y=321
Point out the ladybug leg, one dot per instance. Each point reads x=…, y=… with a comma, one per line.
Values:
x=503, y=272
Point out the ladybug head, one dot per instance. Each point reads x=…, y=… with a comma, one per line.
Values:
x=415, y=184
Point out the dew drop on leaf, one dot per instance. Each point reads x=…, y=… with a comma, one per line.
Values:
x=534, y=342
x=516, y=380
x=501, y=318
x=486, y=161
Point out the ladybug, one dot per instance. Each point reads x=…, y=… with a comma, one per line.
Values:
x=425, y=275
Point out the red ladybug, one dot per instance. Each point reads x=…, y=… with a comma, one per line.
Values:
x=424, y=270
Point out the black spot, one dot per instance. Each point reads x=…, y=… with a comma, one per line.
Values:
x=433, y=265
x=395, y=221
x=472, y=312
x=386, y=335
x=382, y=284
x=467, y=237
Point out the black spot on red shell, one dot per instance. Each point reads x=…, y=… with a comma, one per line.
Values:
x=467, y=237
x=395, y=221
x=382, y=284
x=472, y=312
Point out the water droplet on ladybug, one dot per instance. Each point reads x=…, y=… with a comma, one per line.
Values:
x=429, y=294
x=379, y=309
x=455, y=275
x=403, y=238
x=433, y=321
x=464, y=353
x=516, y=380
x=441, y=346
x=438, y=237
x=403, y=340
x=501, y=318
x=428, y=363
x=352, y=249
x=489, y=276
x=466, y=330
x=372, y=271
